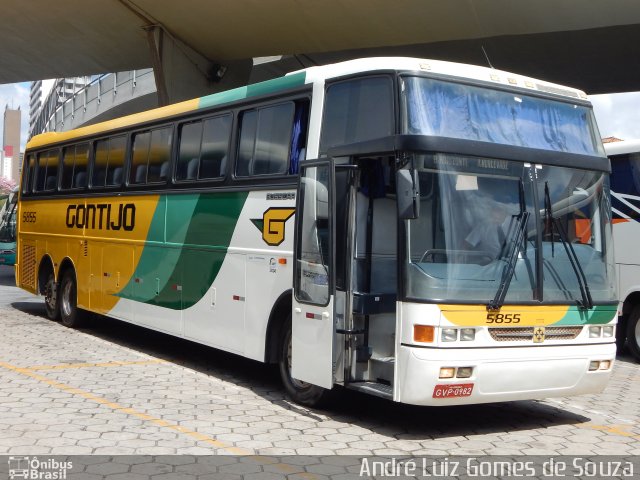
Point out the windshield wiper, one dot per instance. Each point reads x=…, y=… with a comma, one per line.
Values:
x=510, y=267
x=587, y=301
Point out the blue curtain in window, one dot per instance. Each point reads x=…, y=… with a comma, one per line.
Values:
x=297, y=137
x=474, y=113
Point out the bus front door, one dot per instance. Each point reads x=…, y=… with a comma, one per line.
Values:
x=313, y=328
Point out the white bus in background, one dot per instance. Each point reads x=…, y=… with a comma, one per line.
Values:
x=625, y=204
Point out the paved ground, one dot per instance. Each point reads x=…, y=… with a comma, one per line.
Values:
x=113, y=388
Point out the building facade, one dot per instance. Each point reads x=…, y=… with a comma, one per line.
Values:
x=11, y=143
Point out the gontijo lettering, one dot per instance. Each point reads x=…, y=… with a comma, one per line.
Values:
x=102, y=216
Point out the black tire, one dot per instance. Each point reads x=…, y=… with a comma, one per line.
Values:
x=51, y=304
x=70, y=315
x=298, y=391
x=633, y=333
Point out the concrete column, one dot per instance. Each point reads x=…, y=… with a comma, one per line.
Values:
x=181, y=73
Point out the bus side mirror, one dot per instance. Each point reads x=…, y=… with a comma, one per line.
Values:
x=408, y=194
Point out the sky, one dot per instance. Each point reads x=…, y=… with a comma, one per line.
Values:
x=618, y=115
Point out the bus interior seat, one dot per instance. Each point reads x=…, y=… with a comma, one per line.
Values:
x=116, y=176
x=223, y=166
x=141, y=174
x=80, y=180
x=192, y=169
x=50, y=182
x=383, y=245
x=164, y=170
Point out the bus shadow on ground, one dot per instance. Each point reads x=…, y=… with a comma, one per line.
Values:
x=400, y=421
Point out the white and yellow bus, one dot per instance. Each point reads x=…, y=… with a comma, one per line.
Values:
x=625, y=205
x=424, y=231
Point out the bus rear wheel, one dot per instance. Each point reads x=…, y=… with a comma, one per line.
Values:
x=300, y=392
x=633, y=333
x=70, y=315
x=51, y=303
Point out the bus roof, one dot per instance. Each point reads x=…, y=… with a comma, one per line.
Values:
x=621, y=147
x=311, y=75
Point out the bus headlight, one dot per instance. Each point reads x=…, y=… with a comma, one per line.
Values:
x=595, y=332
x=449, y=334
x=608, y=331
x=467, y=334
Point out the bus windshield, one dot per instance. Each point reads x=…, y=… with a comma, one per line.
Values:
x=466, y=239
x=447, y=109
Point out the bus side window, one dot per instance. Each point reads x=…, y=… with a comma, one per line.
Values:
x=299, y=136
x=189, y=151
x=265, y=138
x=139, y=158
x=75, y=160
x=100, y=162
x=81, y=166
x=625, y=179
x=215, y=147
x=204, y=147
x=47, y=171
x=159, y=155
x=108, y=162
x=28, y=175
x=151, y=155
x=357, y=110
x=117, y=147
x=246, y=147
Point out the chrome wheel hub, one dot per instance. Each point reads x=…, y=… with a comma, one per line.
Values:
x=66, y=300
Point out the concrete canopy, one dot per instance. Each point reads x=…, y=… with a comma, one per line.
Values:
x=591, y=45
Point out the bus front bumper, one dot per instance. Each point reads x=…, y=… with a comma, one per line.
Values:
x=500, y=374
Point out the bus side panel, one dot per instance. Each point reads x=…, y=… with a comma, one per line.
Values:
x=265, y=232
x=95, y=275
x=218, y=317
x=625, y=238
x=629, y=280
x=625, y=235
x=268, y=277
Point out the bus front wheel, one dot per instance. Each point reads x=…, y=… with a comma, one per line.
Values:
x=300, y=392
x=633, y=333
x=70, y=315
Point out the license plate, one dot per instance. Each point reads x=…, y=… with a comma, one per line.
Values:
x=448, y=391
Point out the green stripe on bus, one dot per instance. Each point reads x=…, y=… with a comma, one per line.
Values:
x=598, y=315
x=178, y=274
x=253, y=90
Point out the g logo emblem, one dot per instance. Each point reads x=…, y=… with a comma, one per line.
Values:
x=272, y=224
